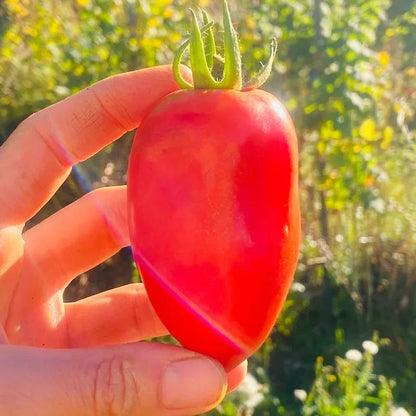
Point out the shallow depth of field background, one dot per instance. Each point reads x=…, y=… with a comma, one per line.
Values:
x=346, y=71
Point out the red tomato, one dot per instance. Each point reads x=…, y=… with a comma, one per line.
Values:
x=214, y=216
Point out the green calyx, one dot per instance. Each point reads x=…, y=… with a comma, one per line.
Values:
x=203, y=57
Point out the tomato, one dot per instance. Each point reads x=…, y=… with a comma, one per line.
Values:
x=214, y=216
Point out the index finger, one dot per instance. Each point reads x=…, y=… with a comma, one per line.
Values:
x=37, y=157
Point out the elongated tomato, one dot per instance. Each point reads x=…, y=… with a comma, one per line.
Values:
x=214, y=216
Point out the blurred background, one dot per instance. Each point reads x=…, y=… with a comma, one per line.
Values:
x=345, y=343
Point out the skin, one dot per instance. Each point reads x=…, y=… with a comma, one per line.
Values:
x=83, y=358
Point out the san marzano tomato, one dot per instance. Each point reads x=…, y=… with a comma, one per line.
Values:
x=214, y=216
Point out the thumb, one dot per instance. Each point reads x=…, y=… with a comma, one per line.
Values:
x=135, y=379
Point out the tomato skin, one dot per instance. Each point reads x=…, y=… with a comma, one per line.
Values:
x=214, y=216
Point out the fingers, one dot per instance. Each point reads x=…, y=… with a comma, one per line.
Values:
x=136, y=379
x=11, y=247
x=11, y=254
x=3, y=336
x=122, y=315
x=78, y=237
x=236, y=376
x=117, y=316
x=38, y=156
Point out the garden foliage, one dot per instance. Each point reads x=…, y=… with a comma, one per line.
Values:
x=346, y=70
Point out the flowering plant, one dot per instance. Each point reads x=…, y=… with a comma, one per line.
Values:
x=350, y=388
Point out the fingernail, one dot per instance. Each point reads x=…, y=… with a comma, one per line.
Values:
x=193, y=383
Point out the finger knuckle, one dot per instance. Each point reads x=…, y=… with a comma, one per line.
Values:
x=115, y=390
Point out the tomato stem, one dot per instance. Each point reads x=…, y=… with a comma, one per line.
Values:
x=202, y=53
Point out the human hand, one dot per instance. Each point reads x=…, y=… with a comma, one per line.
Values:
x=73, y=358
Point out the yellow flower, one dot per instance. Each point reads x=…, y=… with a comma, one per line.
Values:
x=384, y=58
x=368, y=130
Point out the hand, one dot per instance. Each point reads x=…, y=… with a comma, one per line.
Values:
x=81, y=358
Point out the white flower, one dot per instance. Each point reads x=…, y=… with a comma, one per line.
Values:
x=399, y=411
x=370, y=347
x=298, y=287
x=300, y=394
x=251, y=392
x=353, y=355
x=62, y=90
x=339, y=238
x=379, y=205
